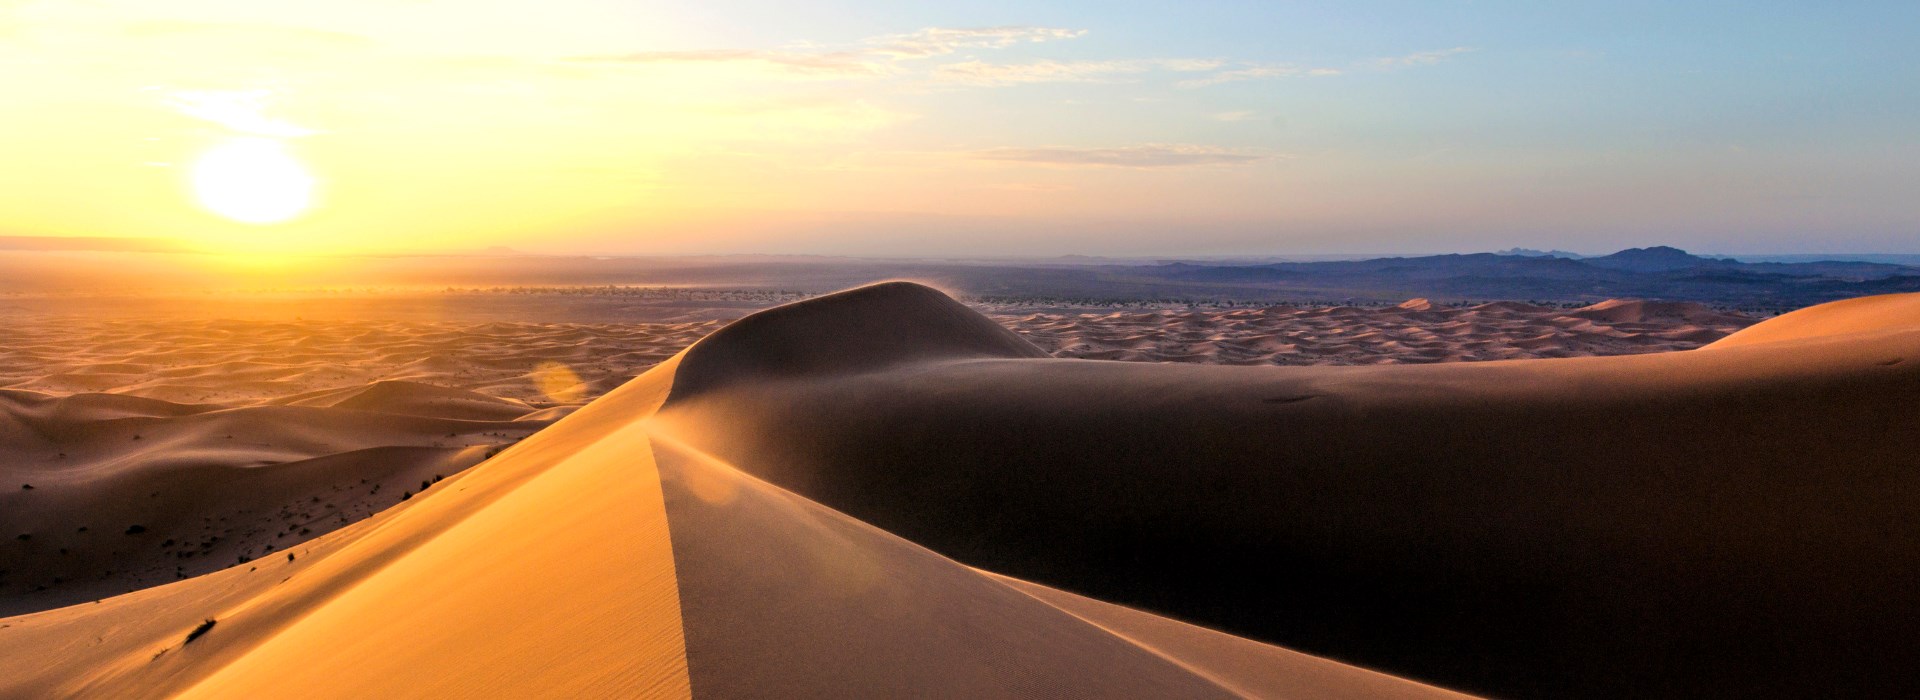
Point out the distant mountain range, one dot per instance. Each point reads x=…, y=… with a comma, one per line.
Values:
x=1531, y=253
x=1659, y=272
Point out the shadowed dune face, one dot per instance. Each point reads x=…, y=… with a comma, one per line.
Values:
x=1675, y=524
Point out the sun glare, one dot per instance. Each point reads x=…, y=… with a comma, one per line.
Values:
x=252, y=180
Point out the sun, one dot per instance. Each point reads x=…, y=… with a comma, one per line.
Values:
x=252, y=180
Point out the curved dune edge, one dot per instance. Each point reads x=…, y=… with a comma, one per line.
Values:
x=1875, y=314
x=461, y=591
x=602, y=558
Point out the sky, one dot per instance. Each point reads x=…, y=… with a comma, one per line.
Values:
x=963, y=128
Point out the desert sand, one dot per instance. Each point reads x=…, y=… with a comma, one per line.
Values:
x=228, y=440
x=807, y=502
x=1417, y=331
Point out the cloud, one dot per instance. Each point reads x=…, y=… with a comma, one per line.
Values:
x=872, y=57
x=1145, y=156
x=1261, y=73
x=995, y=74
x=1289, y=70
x=1420, y=58
x=829, y=64
x=991, y=74
x=242, y=111
x=1238, y=115
x=937, y=41
x=1189, y=65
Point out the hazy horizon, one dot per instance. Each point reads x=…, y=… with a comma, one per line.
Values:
x=175, y=246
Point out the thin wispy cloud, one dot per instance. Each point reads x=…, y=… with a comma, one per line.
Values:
x=891, y=54
x=1421, y=58
x=1238, y=115
x=939, y=41
x=1262, y=73
x=871, y=57
x=984, y=74
x=1146, y=156
x=828, y=64
x=1289, y=70
x=240, y=111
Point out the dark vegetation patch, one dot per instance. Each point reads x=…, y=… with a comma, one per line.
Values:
x=202, y=629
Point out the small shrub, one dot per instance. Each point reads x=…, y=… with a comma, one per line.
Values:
x=202, y=629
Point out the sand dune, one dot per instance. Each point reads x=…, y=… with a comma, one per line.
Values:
x=252, y=361
x=1417, y=331
x=1675, y=524
x=597, y=558
x=1880, y=314
x=269, y=354
x=111, y=493
x=796, y=504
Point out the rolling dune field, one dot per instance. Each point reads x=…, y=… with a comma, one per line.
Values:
x=883, y=491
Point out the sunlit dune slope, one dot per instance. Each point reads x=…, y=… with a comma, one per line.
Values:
x=536, y=574
x=1891, y=313
x=1726, y=521
x=604, y=557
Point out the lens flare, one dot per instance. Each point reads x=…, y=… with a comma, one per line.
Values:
x=558, y=382
x=252, y=180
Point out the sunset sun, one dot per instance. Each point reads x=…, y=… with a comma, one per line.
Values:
x=252, y=180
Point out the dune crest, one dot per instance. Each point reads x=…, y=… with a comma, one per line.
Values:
x=1641, y=311
x=858, y=330
x=1890, y=313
